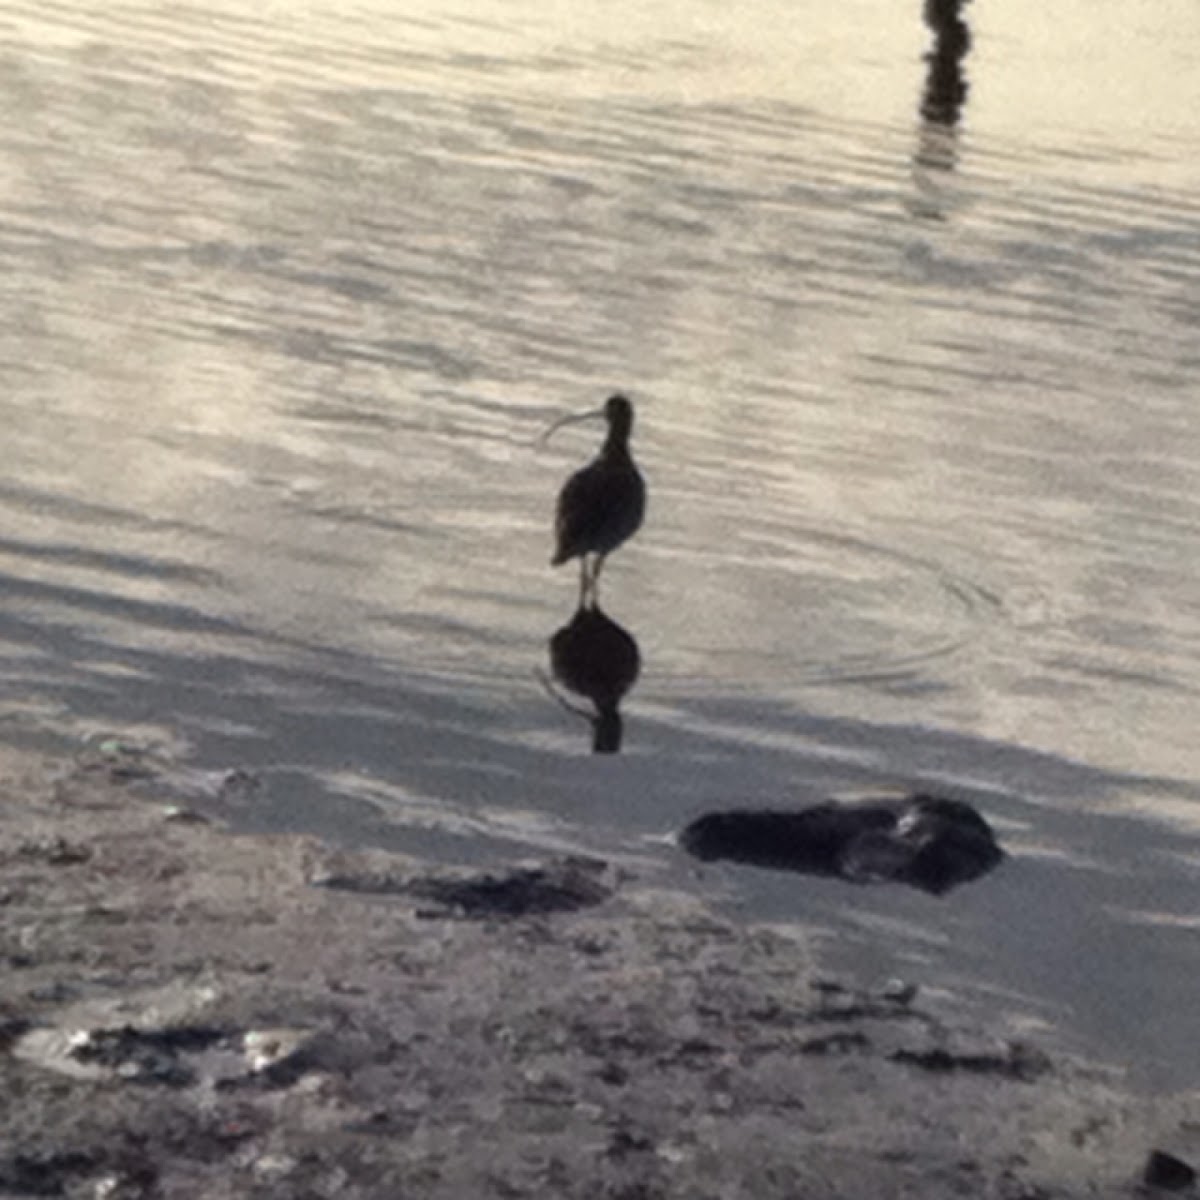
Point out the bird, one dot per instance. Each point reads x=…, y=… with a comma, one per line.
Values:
x=602, y=505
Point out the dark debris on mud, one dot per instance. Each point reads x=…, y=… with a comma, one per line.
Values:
x=559, y=886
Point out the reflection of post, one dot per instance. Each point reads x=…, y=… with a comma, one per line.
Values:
x=945, y=86
x=942, y=102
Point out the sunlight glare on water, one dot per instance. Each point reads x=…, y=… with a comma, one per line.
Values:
x=289, y=295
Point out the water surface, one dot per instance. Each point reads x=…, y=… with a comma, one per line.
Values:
x=287, y=300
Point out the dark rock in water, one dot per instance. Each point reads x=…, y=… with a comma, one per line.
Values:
x=928, y=842
x=1165, y=1171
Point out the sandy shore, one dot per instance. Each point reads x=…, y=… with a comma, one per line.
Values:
x=188, y=1012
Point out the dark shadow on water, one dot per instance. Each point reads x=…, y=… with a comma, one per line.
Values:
x=453, y=767
x=594, y=657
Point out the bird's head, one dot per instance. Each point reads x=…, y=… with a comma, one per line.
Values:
x=617, y=411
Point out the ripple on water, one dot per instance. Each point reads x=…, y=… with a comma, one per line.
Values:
x=819, y=608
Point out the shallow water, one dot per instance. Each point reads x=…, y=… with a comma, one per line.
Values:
x=287, y=302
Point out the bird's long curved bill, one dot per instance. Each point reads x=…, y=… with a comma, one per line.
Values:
x=590, y=415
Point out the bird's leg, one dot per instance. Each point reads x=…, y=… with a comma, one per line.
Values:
x=583, y=580
x=596, y=566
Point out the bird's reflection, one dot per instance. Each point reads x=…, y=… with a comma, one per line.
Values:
x=594, y=657
x=942, y=101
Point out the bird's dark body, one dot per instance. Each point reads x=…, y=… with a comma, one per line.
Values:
x=599, y=507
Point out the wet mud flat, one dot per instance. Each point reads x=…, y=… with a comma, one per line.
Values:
x=189, y=1012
